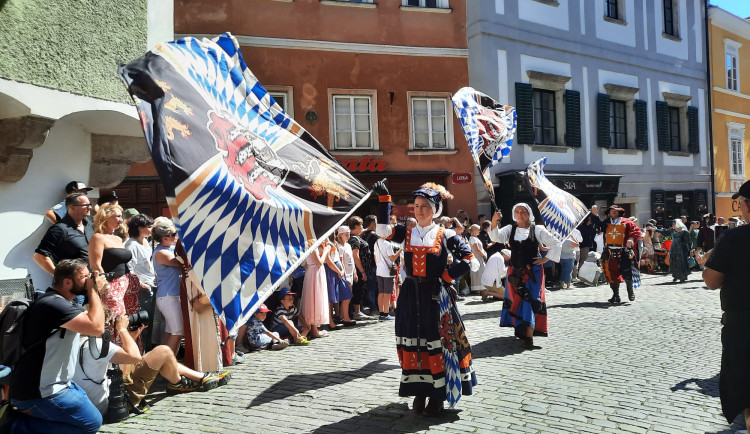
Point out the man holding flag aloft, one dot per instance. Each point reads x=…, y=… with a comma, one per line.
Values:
x=620, y=236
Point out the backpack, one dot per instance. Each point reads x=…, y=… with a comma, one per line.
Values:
x=12, y=326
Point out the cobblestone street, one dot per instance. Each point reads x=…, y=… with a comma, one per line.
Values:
x=647, y=366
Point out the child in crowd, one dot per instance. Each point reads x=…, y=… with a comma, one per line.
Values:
x=339, y=293
x=346, y=258
x=284, y=319
x=258, y=337
x=314, y=300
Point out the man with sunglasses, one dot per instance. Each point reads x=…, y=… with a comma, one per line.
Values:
x=68, y=239
x=42, y=391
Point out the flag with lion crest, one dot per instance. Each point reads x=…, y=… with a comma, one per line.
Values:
x=249, y=189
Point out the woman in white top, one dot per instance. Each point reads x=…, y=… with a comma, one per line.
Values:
x=478, y=250
x=139, y=229
x=525, y=305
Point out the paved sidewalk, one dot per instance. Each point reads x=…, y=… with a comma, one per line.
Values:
x=647, y=366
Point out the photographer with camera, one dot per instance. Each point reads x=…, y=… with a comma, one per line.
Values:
x=133, y=372
x=42, y=391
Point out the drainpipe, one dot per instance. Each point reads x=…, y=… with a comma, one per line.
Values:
x=710, y=111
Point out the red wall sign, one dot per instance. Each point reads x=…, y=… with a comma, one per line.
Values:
x=461, y=178
x=366, y=164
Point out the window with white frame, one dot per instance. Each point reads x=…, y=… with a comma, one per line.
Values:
x=430, y=122
x=731, y=54
x=736, y=133
x=613, y=10
x=283, y=97
x=352, y=122
x=426, y=3
x=669, y=13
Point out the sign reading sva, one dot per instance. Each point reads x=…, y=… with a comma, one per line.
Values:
x=366, y=164
x=461, y=178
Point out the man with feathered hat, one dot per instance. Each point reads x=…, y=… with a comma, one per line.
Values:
x=621, y=236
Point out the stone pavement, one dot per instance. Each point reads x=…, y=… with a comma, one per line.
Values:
x=647, y=366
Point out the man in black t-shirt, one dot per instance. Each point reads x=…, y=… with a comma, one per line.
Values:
x=362, y=259
x=68, y=239
x=41, y=386
x=370, y=237
x=727, y=269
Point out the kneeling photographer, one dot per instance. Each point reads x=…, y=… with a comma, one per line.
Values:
x=134, y=372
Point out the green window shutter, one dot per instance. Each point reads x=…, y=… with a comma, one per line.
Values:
x=693, y=132
x=524, y=114
x=641, y=124
x=605, y=141
x=573, y=118
x=662, y=126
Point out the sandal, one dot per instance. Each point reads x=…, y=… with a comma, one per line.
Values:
x=302, y=341
x=321, y=334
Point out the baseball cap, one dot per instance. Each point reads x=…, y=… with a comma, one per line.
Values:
x=744, y=191
x=74, y=186
x=263, y=309
x=343, y=230
x=505, y=252
x=130, y=212
x=286, y=291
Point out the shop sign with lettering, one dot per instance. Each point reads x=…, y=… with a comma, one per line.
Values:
x=461, y=178
x=366, y=164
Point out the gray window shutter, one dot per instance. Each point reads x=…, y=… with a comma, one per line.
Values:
x=524, y=114
x=573, y=118
x=641, y=124
x=605, y=141
x=662, y=125
x=693, y=131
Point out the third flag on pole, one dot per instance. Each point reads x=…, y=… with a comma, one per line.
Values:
x=489, y=128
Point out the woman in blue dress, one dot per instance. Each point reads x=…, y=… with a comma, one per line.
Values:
x=525, y=303
x=431, y=342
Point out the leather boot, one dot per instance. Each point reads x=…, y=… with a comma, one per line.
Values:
x=418, y=405
x=615, y=293
x=434, y=407
x=631, y=293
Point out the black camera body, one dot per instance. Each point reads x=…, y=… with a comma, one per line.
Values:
x=136, y=320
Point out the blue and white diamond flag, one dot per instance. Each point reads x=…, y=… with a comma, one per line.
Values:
x=251, y=192
x=561, y=211
x=489, y=128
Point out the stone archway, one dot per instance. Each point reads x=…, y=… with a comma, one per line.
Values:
x=116, y=142
x=20, y=133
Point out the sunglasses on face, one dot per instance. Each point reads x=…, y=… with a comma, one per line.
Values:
x=85, y=205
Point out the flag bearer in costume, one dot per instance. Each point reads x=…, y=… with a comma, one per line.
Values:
x=524, y=307
x=620, y=237
x=432, y=347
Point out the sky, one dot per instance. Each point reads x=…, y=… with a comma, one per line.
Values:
x=741, y=8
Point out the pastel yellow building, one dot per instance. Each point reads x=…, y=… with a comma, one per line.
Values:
x=729, y=39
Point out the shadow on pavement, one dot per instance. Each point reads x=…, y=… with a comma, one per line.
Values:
x=483, y=315
x=708, y=386
x=301, y=383
x=496, y=347
x=389, y=418
x=596, y=304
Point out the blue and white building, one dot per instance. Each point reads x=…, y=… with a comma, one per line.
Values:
x=612, y=92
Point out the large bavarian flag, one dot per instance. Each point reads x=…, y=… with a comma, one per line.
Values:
x=489, y=128
x=248, y=188
x=561, y=211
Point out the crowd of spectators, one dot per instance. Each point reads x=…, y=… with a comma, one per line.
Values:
x=352, y=278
